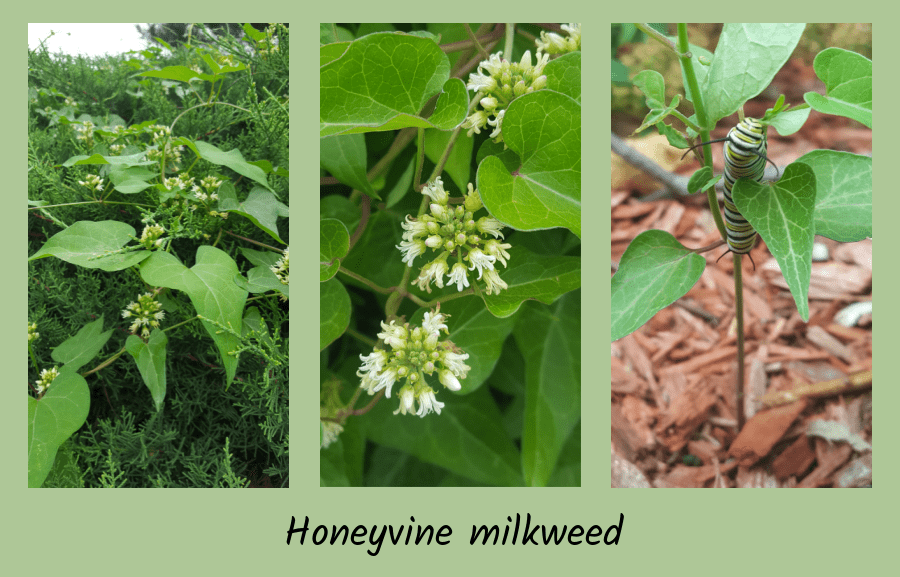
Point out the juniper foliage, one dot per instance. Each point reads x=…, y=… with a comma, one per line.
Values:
x=207, y=434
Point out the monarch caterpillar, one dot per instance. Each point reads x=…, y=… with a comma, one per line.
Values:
x=745, y=157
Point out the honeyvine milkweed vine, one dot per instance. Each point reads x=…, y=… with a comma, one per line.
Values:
x=824, y=192
x=450, y=254
x=161, y=230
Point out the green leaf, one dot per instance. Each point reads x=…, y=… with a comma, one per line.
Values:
x=53, y=419
x=261, y=280
x=65, y=474
x=787, y=123
x=534, y=277
x=550, y=340
x=409, y=71
x=655, y=271
x=334, y=243
x=345, y=158
x=653, y=85
x=452, y=105
x=564, y=75
x=138, y=159
x=568, y=466
x=260, y=258
x=210, y=286
x=747, y=58
x=782, y=213
x=218, y=70
x=843, y=194
x=93, y=245
x=253, y=33
x=150, y=358
x=267, y=167
x=130, y=179
x=489, y=148
x=233, y=159
x=334, y=311
x=180, y=73
x=848, y=83
x=261, y=207
x=340, y=207
x=656, y=116
x=467, y=438
x=544, y=129
x=675, y=137
x=77, y=351
x=701, y=180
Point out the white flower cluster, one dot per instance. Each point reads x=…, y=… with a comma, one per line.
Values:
x=202, y=193
x=47, y=376
x=454, y=234
x=85, y=132
x=180, y=181
x=415, y=352
x=147, y=313
x=150, y=237
x=282, y=267
x=330, y=432
x=268, y=45
x=33, y=335
x=553, y=43
x=161, y=136
x=93, y=182
x=208, y=184
x=499, y=82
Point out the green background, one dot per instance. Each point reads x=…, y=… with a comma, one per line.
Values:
x=243, y=532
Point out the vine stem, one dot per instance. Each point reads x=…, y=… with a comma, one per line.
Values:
x=682, y=48
x=739, y=317
x=250, y=240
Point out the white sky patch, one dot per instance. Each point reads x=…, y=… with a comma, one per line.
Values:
x=87, y=39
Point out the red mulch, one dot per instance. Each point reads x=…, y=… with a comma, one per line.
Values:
x=673, y=380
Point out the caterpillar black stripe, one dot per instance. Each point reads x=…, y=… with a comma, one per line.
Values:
x=745, y=157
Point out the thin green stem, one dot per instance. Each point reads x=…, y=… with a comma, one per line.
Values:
x=649, y=31
x=452, y=296
x=739, y=317
x=508, y=41
x=193, y=318
x=444, y=157
x=33, y=359
x=361, y=337
x=105, y=363
x=365, y=281
x=87, y=202
x=687, y=121
x=420, y=159
x=257, y=243
x=703, y=120
x=403, y=138
x=482, y=51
